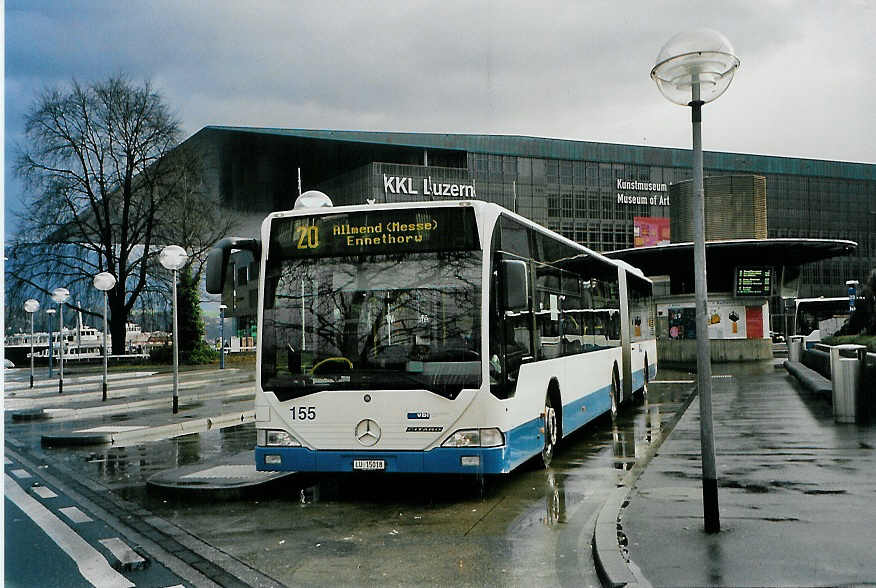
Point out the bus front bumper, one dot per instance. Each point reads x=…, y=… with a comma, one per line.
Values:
x=445, y=460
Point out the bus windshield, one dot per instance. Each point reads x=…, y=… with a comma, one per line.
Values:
x=391, y=321
x=825, y=315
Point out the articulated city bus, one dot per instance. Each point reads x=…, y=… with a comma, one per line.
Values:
x=444, y=336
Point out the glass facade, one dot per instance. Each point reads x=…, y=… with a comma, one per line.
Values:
x=588, y=192
x=578, y=199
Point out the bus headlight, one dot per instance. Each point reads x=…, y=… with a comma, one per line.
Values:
x=492, y=438
x=275, y=438
x=475, y=438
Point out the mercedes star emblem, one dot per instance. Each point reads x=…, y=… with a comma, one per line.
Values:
x=367, y=432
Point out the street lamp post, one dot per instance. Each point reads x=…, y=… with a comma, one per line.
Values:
x=174, y=257
x=104, y=281
x=60, y=295
x=694, y=68
x=50, y=312
x=30, y=307
x=222, y=308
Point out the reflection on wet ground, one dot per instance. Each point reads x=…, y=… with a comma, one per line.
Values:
x=796, y=491
x=371, y=529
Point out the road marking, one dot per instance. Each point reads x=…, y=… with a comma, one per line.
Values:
x=120, y=550
x=21, y=474
x=75, y=515
x=43, y=492
x=92, y=565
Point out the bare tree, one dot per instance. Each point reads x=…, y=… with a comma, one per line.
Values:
x=109, y=189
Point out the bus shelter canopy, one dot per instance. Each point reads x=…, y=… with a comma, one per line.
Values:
x=677, y=259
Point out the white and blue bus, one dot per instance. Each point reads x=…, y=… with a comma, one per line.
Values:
x=443, y=337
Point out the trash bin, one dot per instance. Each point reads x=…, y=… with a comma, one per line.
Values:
x=795, y=348
x=846, y=376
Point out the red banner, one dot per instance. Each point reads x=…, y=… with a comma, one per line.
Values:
x=650, y=230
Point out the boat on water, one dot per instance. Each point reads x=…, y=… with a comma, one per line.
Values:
x=81, y=342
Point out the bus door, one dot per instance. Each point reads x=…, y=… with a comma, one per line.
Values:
x=626, y=349
x=511, y=326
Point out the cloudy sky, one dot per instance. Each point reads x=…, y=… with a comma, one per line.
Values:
x=575, y=69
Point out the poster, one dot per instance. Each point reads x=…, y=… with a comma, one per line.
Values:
x=682, y=323
x=650, y=230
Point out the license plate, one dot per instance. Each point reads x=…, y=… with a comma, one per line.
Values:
x=369, y=464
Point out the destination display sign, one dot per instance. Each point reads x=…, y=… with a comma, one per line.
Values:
x=752, y=281
x=375, y=232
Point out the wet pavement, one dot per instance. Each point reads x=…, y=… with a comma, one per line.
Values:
x=797, y=492
x=534, y=526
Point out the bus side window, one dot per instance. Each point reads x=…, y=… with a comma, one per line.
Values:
x=547, y=311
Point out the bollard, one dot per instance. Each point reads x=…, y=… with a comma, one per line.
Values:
x=847, y=371
x=795, y=348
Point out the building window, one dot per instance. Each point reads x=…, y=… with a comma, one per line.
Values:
x=553, y=206
x=566, y=176
x=580, y=203
x=524, y=168
x=568, y=205
x=606, y=239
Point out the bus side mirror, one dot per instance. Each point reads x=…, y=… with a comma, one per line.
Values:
x=217, y=260
x=217, y=264
x=515, y=285
x=293, y=360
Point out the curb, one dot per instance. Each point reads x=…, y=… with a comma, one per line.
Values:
x=196, y=480
x=114, y=406
x=146, y=433
x=613, y=562
x=172, y=430
x=123, y=392
x=30, y=414
x=611, y=565
x=75, y=439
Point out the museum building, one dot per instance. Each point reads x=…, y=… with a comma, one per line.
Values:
x=603, y=195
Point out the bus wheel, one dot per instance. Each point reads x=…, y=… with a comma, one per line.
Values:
x=615, y=393
x=549, y=422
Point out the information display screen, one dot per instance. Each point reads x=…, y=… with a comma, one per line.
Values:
x=752, y=281
x=377, y=232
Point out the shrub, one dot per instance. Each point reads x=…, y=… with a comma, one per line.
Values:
x=869, y=341
x=162, y=354
x=201, y=353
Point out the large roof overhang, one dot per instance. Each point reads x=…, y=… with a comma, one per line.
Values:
x=667, y=259
x=553, y=148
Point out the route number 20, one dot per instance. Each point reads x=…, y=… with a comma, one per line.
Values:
x=308, y=237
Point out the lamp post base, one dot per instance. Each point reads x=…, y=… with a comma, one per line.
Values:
x=710, y=506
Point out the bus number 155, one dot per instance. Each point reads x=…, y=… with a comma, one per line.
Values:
x=303, y=413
